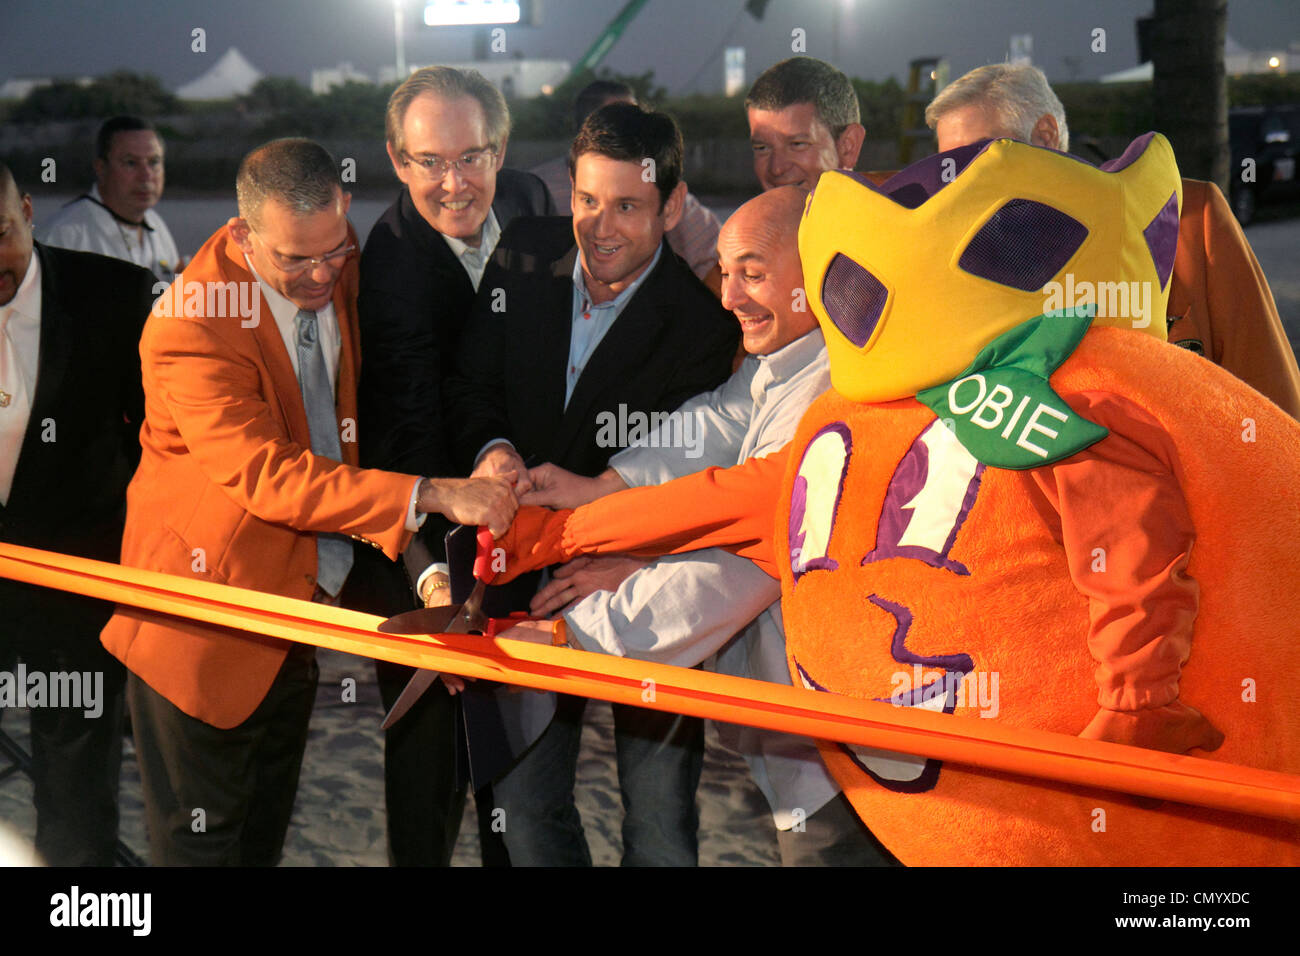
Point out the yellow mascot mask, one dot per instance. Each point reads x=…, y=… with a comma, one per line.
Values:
x=909, y=280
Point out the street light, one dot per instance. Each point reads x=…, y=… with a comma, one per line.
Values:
x=397, y=40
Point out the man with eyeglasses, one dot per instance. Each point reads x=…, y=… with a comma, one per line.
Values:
x=249, y=476
x=421, y=266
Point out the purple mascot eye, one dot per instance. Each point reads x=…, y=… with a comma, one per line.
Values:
x=1023, y=245
x=854, y=299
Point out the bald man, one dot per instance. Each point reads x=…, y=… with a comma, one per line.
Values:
x=684, y=609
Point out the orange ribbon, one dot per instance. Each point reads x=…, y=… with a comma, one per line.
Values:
x=737, y=700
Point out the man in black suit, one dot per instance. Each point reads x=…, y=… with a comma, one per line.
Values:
x=447, y=131
x=581, y=325
x=71, y=404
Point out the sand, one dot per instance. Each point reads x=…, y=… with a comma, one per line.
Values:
x=339, y=817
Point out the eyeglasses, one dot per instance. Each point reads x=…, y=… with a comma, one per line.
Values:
x=435, y=167
x=292, y=265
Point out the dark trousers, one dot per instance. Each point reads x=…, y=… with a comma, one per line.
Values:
x=76, y=758
x=223, y=797
x=660, y=756
x=424, y=802
x=833, y=836
x=420, y=793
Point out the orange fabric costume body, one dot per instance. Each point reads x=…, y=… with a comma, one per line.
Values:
x=1135, y=588
x=1220, y=298
x=228, y=489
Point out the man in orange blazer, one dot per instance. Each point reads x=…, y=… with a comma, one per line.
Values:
x=248, y=476
x=1220, y=305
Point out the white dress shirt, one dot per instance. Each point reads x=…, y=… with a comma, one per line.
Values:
x=20, y=349
x=475, y=258
x=285, y=314
x=87, y=225
x=684, y=608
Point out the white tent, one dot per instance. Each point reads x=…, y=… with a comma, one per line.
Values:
x=232, y=75
x=1134, y=74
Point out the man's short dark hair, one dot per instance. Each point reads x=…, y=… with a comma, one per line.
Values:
x=595, y=95
x=803, y=79
x=299, y=173
x=119, y=124
x=627, y=132
x=7, y=180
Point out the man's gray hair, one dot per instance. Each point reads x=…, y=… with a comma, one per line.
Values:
x=1018, y=93
x=449, y=83
x=298, y=173
x=803, y=79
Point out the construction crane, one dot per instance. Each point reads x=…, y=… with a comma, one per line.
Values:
x=607, y=38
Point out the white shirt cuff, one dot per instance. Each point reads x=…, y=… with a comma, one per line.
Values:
x=495, y=441
x=431, y=569
x=414, y=522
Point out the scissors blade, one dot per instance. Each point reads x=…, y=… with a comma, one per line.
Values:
x=432, y=620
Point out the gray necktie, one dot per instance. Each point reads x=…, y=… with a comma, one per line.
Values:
x=333, y=551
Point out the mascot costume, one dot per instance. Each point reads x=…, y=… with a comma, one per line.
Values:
x=1016, y=502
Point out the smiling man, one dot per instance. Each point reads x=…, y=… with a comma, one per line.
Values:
x=695, y=238
x=803, y=120
x=248, y=476
x=686, y=608
x=577, y=320
x=116, y=217
x=422, y=264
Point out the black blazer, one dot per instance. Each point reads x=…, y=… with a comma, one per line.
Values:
x=414, y=300
x=83, y=438
x=673, y=340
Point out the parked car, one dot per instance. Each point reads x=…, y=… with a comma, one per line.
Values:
x=1265, y=143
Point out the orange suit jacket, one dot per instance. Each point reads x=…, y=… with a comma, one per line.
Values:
x=1219, y=297
x=228, y=489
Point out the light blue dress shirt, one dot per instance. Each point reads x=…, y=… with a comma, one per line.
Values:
x=592, y=321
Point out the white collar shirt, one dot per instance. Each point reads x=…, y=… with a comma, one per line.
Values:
x=285, y=314
x=475, y=258
x=20, y=339
x=87, y=225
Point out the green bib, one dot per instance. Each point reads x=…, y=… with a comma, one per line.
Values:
x=1002, y=408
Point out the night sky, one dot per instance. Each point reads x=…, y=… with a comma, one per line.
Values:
x=681, y=40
